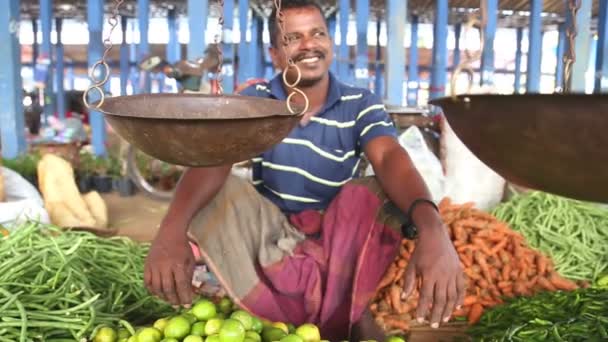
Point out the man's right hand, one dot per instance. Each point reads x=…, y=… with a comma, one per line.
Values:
x=169, y=268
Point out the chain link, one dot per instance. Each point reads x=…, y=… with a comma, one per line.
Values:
x=280, y=19
x=101, y=66
x=571, y=32
x=479, y=18
x=220, y=54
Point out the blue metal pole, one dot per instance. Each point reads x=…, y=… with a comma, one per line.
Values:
x=487, y=57
x=440, y=50
x=362, y=60
x=456, y=53
x=268, y=66
x=256, y=47
x=582, y=47
x=12, y=132
x=61, y=110
x=343, y=50
x=173, y=47
x=69, y=76
x=601, y=61
x=124, y=57
x=561, y=48
x=133, y=60
x=518, y=56
x=246, y=65
x=35, y=43
x=332, y=22
x=395, y=51
x=143, y=15
x=412, y=74
x=228, y=48
x=534, y=47
x=46, y=16
x=95, y=22
x=379, y=76
x=198, y=10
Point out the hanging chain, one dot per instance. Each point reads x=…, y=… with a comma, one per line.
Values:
x=466, y=65
x=220, y=55
x=97, y=82
x=570, y=55
x=290, y=65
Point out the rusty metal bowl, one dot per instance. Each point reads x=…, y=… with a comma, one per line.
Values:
x=549, y=142
x=199, y=130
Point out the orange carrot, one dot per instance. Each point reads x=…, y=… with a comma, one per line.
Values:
x=546, y=284
x=499, y=246
x=562, y=283
x=482, y=245
x=393, y=323
x=506, y=270
x=470, y=300
x=388, y=277
x=399, y=274
x=541, y=265
x=395, y=293
x=475, y=313
x=401, y=263
x=473, y=223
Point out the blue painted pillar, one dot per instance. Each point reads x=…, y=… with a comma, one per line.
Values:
x=535, y=46
x=174, y=52
x=456, y=53
x=268, y=66
x=487, y=56
x=518, y=56
x=332, y=23
x=12, y=132
x=362, y=60
x=601, y=61
x=412, y=74
x=343, y=51
x=143, y=15
x=124, y=57
x=133, y=60
x=379, y=75
x=246, y=65
x=440, y=50
x=256, y=46
x=69, y=76
x=582, y=47
x=561, y=49
x=46, y=17
x=95, y=22
x=396, y=17
x=198, y=10
x=228, y=48
x=61, y=110
x=35, y=43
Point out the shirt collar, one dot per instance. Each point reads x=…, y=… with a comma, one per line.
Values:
x=334, y=95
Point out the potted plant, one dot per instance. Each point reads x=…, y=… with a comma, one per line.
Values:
x=122, y=182
x=85, y=171
x=101, y=180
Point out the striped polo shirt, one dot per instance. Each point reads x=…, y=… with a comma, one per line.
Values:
x=307, y=169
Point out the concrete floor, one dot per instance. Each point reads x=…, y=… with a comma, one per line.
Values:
x=136, y=217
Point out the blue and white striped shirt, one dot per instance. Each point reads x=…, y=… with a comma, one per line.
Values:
x=308, y=168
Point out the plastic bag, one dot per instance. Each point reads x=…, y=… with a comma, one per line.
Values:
x=427, y=164
x=23, y=201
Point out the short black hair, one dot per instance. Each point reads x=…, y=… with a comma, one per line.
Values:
x=287, y=4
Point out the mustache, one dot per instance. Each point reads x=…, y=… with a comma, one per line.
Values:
x=309, y=54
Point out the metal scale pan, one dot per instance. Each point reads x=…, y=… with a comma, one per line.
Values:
x=556, y=143
x=199, y=130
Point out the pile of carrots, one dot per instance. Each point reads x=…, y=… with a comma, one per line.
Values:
x=496, y=261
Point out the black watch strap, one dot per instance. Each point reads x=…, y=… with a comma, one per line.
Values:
x=408, y=229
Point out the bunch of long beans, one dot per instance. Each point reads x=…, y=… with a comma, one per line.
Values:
x=57, y=285
x=573, y=233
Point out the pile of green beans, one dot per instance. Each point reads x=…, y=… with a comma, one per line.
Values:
x=573, y=233
x=58, y=286
x=580, y=315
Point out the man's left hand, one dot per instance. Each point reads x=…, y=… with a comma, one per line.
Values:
x=436, y=262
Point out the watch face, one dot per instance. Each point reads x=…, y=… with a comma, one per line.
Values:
x=409, y=231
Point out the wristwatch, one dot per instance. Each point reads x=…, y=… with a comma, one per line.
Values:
x=408, y=227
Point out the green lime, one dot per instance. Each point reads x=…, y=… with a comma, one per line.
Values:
x=161, y=323
x=213, y=326
x=248, y=340
x=149, y=335
x=225, y=305
x=221, y=315
x=395, y=339
x=252, y=335
x=204, y=310
x=256, y=324
x=123, y=333
x=281, y=326
x=232, y=331
x=124, y=339
x=271, y=334
x=105, y=334
x=193, y=338
x=132, y=339
x=244, y=317
x=178, y=327
x=198, y=329
x=169, y=340
x=213, y=338
x=191, y=317
x=309, y=332
x=292, y=338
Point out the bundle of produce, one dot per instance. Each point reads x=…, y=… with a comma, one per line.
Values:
x=57, y=286
x=580, y=315
x=496, y=261
x=573, y=233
